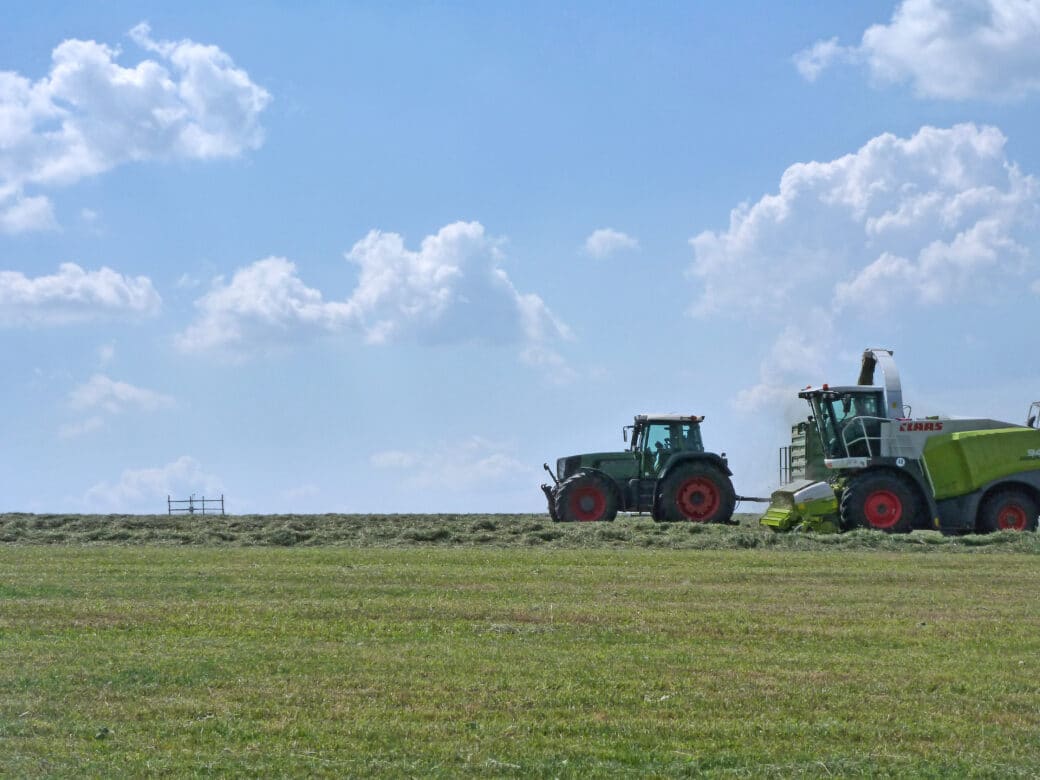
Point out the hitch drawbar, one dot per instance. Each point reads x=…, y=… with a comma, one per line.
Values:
x=753, y=499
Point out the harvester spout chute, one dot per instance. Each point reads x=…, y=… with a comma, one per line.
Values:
x=872, y=358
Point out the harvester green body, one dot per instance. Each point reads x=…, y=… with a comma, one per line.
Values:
x=894, y=473
x=665, y=472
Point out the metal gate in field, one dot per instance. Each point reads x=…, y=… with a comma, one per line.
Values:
x=191, y=505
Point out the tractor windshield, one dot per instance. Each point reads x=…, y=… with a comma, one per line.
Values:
x=835, y=413
x=658, y=441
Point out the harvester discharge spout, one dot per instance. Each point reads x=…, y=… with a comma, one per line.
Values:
x=874, y=358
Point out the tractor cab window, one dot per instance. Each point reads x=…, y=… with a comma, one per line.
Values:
x=659, y=441
x=842, y=436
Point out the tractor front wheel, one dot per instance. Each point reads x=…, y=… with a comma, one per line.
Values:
x=884, y=502
x=585, y=498
x=697, y=493
x=1007, y=510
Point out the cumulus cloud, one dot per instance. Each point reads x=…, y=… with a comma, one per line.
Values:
x=948, y=49
x=74, y=295
x=112, y=396
x=19, y=214
x=101, y=397
x=607, y=241
x=89, y=114
x=451, y=289
x=922, y=218
x=813, y=61
x=473, y=462
x=145, y=490
x=264, y=303
x=902, y=224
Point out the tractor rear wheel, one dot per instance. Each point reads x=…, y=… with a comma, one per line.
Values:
x=585, y=498
x=1010, y=509
x=884, y=502
x=698, y=493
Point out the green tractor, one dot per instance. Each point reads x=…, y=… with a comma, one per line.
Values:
x=665, y=471
x=895, y=473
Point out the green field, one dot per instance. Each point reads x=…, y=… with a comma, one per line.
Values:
x=418, y=654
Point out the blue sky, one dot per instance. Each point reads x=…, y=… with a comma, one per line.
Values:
x=390, y=257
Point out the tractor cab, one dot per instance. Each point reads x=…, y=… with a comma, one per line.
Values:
x=848, y=419
x=1033, y=418
x=656, y=438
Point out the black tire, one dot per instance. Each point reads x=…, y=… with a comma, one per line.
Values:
x=696, y=493
x=882, y=501
x=1010, y=509
x=585, y=498
x=552, y=509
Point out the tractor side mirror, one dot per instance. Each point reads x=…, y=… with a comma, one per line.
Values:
x=846, y=403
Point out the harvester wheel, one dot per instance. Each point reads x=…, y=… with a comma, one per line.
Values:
x=585, y=498
x=698, y=493
x=884, y=502
x=1007, y=510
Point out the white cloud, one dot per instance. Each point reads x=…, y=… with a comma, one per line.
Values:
x=924, y=218
x=264, y=303
x=112, y=396
x=23, y=215
x=451, y=289
x=949, y=49
x=90, y=114
x=796, y=353
x=471, y=463
x=102, y=395
x=106, y=354
x=813, y=61
x=92, y=222
x=74, y=295
x=145, y=490
x=902, y=225
x=607, y=241
x=81, y=427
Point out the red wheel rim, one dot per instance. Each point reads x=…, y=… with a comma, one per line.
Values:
x=1012, y=517
x=698, y=499
x=588, y=503
x=883, y=509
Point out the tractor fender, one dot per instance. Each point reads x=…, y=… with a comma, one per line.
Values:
x=607, y=479
x=716, y=461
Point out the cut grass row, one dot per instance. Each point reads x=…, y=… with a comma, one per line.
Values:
x=447, y=661
x=485, y=531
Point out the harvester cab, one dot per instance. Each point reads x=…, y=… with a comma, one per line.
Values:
x=849, y=420
x=895, y=473
x=1033, y=418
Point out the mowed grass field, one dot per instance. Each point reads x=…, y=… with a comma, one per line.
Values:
x=573, y=656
